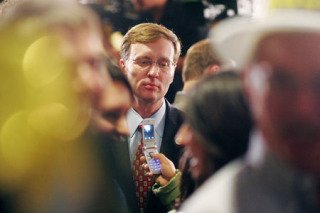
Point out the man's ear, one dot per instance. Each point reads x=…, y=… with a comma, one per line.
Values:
x=122, y=64
x=212, y=69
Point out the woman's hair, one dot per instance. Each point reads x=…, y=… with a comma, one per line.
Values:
x=219, y=115
x=218, y=112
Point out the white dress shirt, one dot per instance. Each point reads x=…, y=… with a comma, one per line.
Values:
x=134, y=120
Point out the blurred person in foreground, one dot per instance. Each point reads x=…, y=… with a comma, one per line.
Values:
x=52, y=78
x=149, y=54
x=110, y=130
x=280, y=67
x=110, y=114
x=216, y=131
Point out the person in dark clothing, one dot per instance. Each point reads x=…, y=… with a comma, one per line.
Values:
x=149, y=53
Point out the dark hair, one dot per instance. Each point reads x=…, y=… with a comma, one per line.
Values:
x=218, y=111
x=116, y=75
x=220, y=115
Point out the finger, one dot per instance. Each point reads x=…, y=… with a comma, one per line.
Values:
x=143, y=159
x=150, y=174
x=145, y=166
x=163, y=159
x=160, y=180
x=157, y=155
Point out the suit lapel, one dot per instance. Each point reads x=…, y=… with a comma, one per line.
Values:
x=172, y=124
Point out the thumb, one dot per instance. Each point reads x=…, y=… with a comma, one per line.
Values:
x=159, y=156
x=161, y=180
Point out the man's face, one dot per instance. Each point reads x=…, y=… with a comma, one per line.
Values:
x=113, y=107
x=85, y=49
x=110, y=100
x=150, y=69
x=144, y=5
x=284, y=90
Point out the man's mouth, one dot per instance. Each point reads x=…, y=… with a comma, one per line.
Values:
x=150, y=86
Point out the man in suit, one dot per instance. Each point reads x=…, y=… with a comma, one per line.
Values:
x=149, y=54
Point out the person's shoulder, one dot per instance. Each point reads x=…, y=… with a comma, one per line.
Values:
x=217, y=193
x=174, y=112
x=173, y=109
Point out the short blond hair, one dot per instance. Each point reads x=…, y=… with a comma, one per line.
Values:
x=199, y=56
x=147, y=33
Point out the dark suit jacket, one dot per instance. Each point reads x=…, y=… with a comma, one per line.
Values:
x=117, y=163
x=115, y=152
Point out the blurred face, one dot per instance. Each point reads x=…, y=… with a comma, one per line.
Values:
x=110, y=100
x=85, y=49
x=113, y=106
x=150, y=70
x=143, y=5
x=284, y=90
x=199, y=162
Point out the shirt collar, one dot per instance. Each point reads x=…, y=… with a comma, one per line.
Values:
x=159, y=117
x=134, y=119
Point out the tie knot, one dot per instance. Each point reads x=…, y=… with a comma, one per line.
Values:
x=140, y=146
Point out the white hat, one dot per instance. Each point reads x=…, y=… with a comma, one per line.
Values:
x=236, y=38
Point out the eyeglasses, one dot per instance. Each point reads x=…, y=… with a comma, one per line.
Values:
x=146, y=63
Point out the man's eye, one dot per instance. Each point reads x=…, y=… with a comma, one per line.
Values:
x=111, y=116
x=144, y=62
x=281, y=80
x=164, y=64
x=95, y=63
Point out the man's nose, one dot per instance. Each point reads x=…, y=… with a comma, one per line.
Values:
x=154, y=70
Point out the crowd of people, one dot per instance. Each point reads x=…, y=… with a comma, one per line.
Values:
x=242, y=135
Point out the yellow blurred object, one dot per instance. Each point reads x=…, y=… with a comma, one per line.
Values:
x=57, y=121
x=42, y=65
x=19, y=145
x=116, y=40
x=56, y=110
x=40, y=113
x=295, y=4
x=48, y=161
